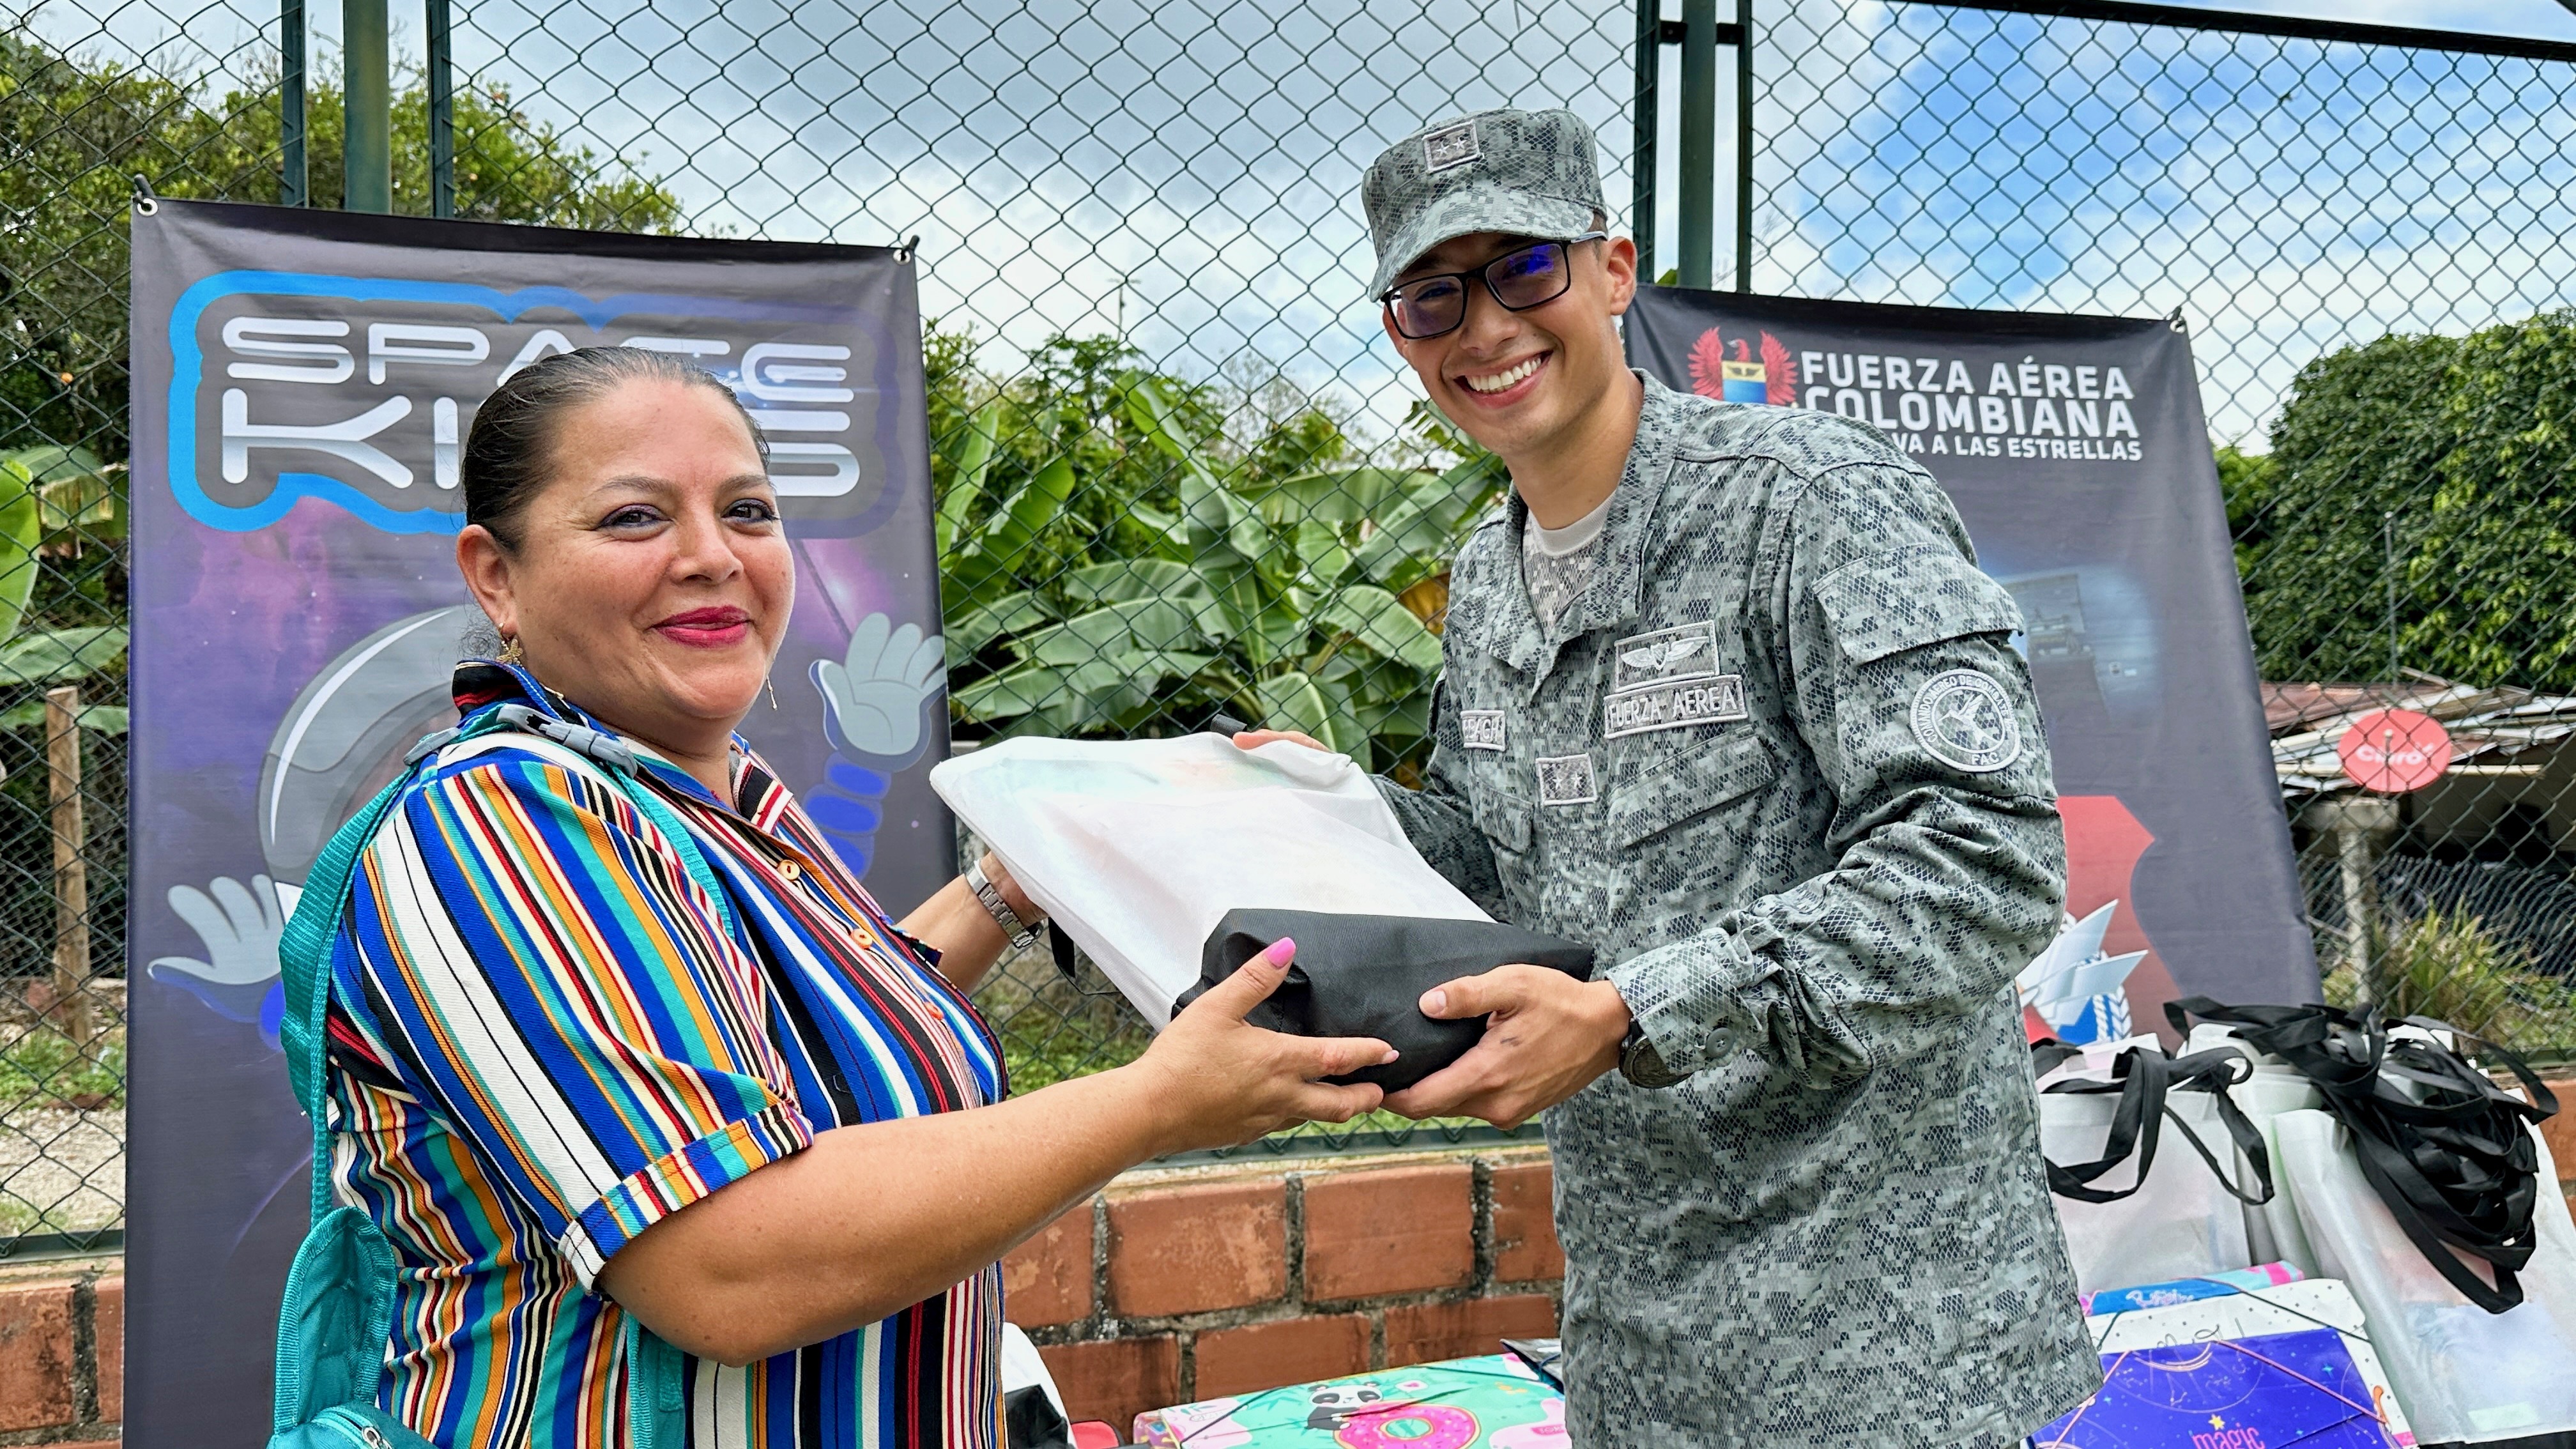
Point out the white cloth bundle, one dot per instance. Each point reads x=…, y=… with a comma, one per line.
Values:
x=1137, y=848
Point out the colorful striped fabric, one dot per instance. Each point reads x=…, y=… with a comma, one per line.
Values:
x=544, y=1040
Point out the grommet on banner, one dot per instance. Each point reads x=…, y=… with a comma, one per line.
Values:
x=2174, y=320
x=145, y=203
x=909, y=249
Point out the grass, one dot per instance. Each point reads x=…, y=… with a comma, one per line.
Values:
x=2451, y=968
x=43, y=1067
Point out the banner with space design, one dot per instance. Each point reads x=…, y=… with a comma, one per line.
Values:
x=2075, y=451
x=303, y=383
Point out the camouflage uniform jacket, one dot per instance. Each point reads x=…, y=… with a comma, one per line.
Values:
x=1781, y=766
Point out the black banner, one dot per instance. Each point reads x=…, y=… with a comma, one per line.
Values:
x=2075, y=450
x=303, y=385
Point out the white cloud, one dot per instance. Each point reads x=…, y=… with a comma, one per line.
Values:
x=1190, y=169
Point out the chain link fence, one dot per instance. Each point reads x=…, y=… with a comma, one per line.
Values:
x=2371, y=244
x=1179, y=473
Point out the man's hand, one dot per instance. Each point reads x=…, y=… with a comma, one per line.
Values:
x=1549, y=1036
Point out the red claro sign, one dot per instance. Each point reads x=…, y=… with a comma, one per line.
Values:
x=2393, y=751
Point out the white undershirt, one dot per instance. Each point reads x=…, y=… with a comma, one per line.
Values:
x=1556, y=563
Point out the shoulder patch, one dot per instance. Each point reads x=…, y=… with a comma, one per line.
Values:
x=1965, y=720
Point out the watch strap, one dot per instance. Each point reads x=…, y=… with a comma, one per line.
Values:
x=1642, y=1063
x=1022, y=935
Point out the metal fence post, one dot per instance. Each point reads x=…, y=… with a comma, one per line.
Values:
x=1744, y=145
x=1648, y=120
x=366, y=53
x=1699, y=141
x=442, y=114
x=292, y=182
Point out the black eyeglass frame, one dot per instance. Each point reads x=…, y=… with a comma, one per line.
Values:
x=1484, y=274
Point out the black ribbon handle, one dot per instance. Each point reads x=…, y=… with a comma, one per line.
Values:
x=2145, y=1078
x=2452, y=1158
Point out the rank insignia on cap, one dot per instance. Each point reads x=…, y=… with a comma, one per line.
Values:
x=1450, y=146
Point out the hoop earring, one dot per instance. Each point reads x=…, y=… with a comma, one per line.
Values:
x=512, y=652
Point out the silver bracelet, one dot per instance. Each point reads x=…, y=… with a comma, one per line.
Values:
x=1022, y=935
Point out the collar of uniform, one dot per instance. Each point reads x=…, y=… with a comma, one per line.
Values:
x=480, y=684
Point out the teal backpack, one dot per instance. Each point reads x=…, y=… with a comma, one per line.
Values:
x=337, y=1320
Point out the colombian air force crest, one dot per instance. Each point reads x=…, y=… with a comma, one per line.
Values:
x=1730, y=370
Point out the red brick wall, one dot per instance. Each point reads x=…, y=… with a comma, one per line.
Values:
x=1182, y=1285
x=62, y=1352
x=1168, y=1287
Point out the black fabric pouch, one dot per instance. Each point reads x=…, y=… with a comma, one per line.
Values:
x=1365, y=975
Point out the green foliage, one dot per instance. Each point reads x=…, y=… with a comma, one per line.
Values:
x=2459, y=452
x=76, y=131
x=1124, y=553
x=53, y=500
x=43, y=1065
x=2451, y=968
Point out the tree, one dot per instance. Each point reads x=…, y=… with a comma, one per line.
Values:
x=78, y=131
x=2439, y=465
x=1126, y=552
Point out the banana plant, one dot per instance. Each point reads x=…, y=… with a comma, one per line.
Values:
x=1276, y=600
x=53, y=501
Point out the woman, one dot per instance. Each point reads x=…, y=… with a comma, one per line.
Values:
x=569, y=1091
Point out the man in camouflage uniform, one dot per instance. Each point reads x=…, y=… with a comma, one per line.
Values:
x=1726, y=697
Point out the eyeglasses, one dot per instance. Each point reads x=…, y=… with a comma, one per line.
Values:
x=1520, y=280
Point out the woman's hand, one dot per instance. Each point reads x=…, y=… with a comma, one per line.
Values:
x=1255, y=739
x=1220, y=1082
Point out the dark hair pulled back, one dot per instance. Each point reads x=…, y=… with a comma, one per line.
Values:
x=509, y=454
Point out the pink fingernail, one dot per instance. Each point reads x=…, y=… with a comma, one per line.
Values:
x=1281, y=951
x=1434, y=1002
x=1391, y=1055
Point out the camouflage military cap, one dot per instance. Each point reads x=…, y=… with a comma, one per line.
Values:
x=1527, y=173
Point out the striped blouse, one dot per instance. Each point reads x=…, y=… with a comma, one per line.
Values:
x=544, y=1040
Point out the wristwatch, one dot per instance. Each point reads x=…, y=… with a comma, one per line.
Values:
x=1641, y=1064
x=1022, y=934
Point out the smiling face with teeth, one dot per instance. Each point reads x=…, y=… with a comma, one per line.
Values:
x=1542, y=388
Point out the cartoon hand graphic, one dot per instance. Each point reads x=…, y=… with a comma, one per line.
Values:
x=240, y=926
x=872, y=701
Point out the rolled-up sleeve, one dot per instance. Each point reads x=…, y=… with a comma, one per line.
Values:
x=1949, y=867
x=560, y=992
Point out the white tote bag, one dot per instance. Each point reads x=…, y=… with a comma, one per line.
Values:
x=2180, y=1224
x=1137, y=848
x=2464, y=1374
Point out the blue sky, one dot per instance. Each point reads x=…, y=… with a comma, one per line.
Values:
x=1189, y=169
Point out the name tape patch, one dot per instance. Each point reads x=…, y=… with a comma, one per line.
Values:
x=1965, y=720
x=1719, y=700
x=1451, y=146
x=1566, y=780
x=1688, y=651
x=1481, y=729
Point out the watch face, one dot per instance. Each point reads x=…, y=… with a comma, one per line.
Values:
x=1644, y=1066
